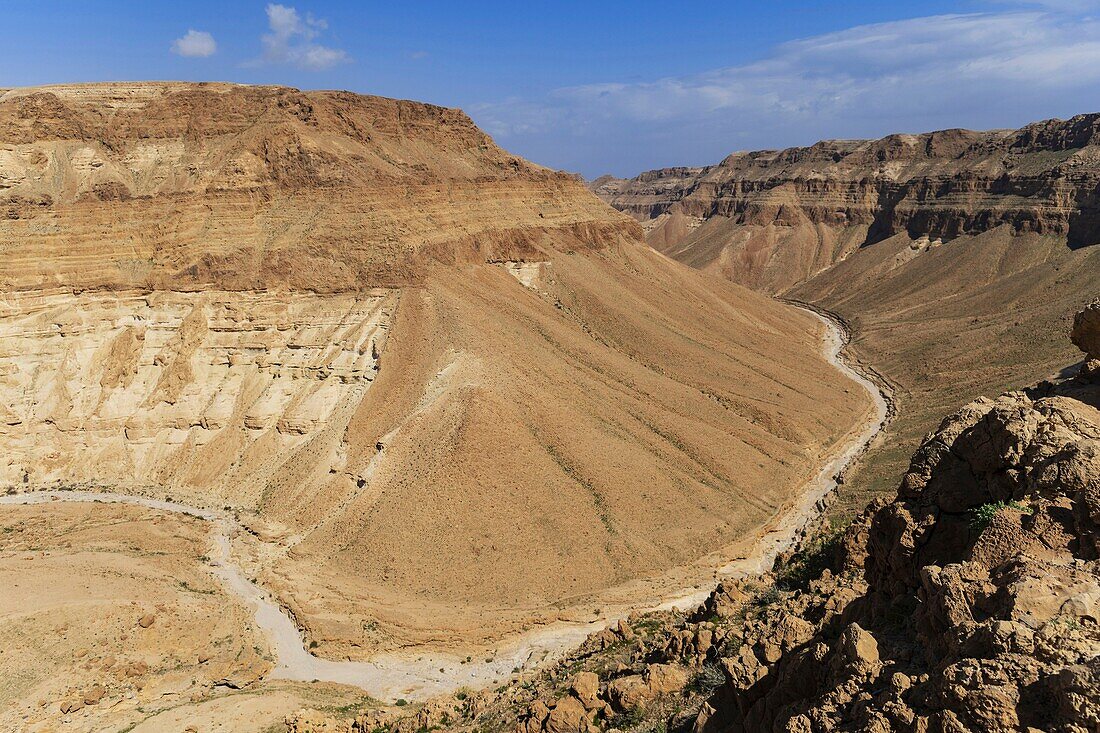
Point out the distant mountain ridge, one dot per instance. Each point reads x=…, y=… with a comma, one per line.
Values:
x=1042, y=178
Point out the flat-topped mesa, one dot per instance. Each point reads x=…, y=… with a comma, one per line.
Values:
x=1042, y=178
x=189, y=185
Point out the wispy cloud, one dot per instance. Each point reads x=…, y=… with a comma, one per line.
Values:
x=984, y=69
x=292, y=39
x=195, y=44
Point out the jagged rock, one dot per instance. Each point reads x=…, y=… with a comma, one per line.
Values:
x=726, y=599
x=634, y=692
x=858, y=651
x=535, y=717
x=623, y=630
x=787, y=633
x=94, y=695
x=586, y=688
x=691, y=645
x=703, y=718
x=1086, y=330
x=744, y=669
x=71, y=706
x=568, y=715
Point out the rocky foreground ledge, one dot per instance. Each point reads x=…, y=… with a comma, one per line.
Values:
x=970, y=602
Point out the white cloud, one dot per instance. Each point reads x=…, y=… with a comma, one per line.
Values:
x=980, y=70
x=195, y=44
x=292, y=40
x=1065, y=6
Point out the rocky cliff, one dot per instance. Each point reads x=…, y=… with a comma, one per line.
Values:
x=772, y=219
x=968, y=602
x=451, y=392
x=330, y=191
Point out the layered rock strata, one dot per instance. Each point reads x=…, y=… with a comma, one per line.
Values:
x=773, y=219
x=148, y=389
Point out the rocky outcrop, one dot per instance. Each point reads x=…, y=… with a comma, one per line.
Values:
x=1086, y=336
x=970, y=602
x=772, y=219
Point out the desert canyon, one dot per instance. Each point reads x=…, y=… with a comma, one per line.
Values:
x=322, y=413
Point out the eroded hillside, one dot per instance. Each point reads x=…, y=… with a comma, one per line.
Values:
x=922, y=242
x=451, y=393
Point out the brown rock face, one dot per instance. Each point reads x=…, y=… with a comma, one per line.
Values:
x=634, y=692
x=1086, y=330
x=458, y=380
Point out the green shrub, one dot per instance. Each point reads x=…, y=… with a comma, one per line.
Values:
x=810, y=562
x=982, y=516
x=766, y=597
x=708, y=679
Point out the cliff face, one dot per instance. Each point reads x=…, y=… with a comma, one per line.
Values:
x=329, y=191
x=135, y=388
x=773, y=219
x=454, y=392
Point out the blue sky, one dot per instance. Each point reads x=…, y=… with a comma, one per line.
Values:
x=612, y=86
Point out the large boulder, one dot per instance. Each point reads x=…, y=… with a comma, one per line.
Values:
x=1086, y=330
x=636, y=691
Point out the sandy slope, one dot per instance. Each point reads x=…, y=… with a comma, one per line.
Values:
x=422, y=673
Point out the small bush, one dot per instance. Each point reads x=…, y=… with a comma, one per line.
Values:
x=401, y=702
x=810, y=562
x=766, y=597
x=982, y=516
x=708, y=679
x=631, y=718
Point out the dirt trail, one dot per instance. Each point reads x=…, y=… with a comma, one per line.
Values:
x=421, y=675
